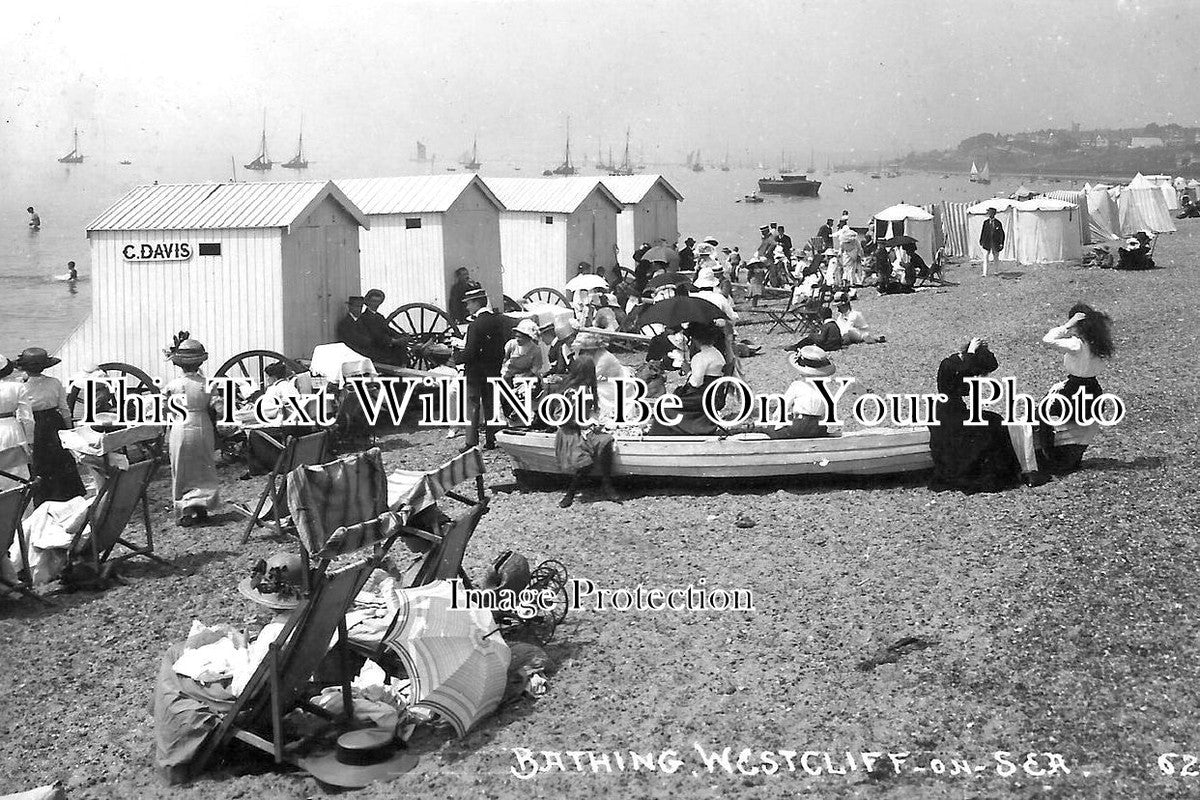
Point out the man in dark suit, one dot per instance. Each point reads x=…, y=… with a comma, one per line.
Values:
x=482, y=358
x=387, y=346
x=687, y=256
x=991, y=239
x=784, y=240
x=825, y=234
x=462, y=285
x=350, y=330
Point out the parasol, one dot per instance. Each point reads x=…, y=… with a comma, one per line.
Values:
x=586, y=282
x=457, y=667
x=664, y=253
x=898, y=241
x=669, y=278
x=675, y=311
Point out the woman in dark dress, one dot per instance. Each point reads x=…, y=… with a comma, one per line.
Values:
x=48, y=399
x=971, y=458
x=706, y=366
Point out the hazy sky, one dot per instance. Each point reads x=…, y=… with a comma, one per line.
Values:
x=371, y=78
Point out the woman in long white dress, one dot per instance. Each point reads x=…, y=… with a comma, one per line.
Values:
x=16, y=434
x=192, y=439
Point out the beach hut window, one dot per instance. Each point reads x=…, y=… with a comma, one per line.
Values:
x=549, y=220
x=210, y=248
x=412, y=222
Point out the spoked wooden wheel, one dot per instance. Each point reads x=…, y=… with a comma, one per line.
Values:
x=252, y=364
x=423, y=324
x=626, y=273
x=136, y=382
x=511, y=305
x=548, y=296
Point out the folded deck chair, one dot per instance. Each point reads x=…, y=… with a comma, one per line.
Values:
x=109, y=515
x=13, y=503
x=297, y=452
x=280, y=684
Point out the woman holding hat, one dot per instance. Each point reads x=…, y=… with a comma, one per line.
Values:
x=803, y=403
x=192, y=439
x=48, y=402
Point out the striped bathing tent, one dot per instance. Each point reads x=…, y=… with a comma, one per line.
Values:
x=954, y=228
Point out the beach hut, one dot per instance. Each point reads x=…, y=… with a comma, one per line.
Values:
x=239, y=265
x=549, y=225
x=649, y=211
x=1103, y=215
x=423, y=228
x=956, y=226
x=1046, y=231
x=1082, y=217
x=1162, y=183
x=977, y=213
x=1143, y=208
x=903, y=219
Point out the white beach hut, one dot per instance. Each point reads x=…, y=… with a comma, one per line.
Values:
x=977, y=213
x=649, y=211
x=423, y=228
x=1142, y=208
x=1046, y=231
x=549, y=225
x=239, y=265
x=1162, y=183
x=910, y=221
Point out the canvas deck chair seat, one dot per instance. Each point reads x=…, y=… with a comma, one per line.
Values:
x=337, y=494
x=109, y=515
x=281, y=682
x=13, y=502
x=801, y=314
x=298, y=451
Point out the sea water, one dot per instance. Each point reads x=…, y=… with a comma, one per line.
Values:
x=41, y=310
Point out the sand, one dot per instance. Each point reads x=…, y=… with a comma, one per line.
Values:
x=1057, y=619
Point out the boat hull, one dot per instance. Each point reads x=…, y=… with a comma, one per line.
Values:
x=795, y=188
x=884, y=451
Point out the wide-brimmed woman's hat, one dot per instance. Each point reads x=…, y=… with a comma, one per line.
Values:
x=188, y=353
x=35, y=358
x=277, y=582
x=812, y=362
x=360, y=758
x=589, y=341
x=527, y=327
x=6, y=367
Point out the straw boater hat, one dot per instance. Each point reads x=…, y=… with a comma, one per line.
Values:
x=361, y=758
x=188, y=353
x=35, y=358
x=706, y=279
x=812, y=362
x=276, y=583
x=711, y=240
x=527, y=327
x=478, y=293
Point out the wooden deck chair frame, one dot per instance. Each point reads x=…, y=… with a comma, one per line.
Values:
x=13, y=502
x=277, y=685
x=109, y=514
x=299, y=451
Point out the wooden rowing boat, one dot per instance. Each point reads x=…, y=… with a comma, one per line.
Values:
x=882, y=451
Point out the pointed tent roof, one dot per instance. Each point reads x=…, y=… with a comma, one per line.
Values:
x=210, y=206
x=548, y=195
x=418, y=194
x=632, y=189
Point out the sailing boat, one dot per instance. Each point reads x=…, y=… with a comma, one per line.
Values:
x=600, y=163
x=985, y=175
x=73, y=157
x=876, y=174
x=626, y=167
x=974, y=173
x=298, y=161
x=697, y=166
x=812, y=168
x=263, y=161
x=421, y=158
x=725, y=163
x=473, y=165
x=565, y=168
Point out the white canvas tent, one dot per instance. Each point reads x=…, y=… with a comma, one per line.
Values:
x=1103, y=218
x=1143, y=209
x=909, y=221
x=1082, y=217
x=977, y=213
x=1047, y=231
x=1160, y=182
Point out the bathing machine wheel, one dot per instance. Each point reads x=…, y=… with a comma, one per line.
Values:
x=511, y=305
x=251, y=365
x=548, y=296
x=424, y=324
x=136, y=382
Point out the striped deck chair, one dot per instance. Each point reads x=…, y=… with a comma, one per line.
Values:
x=299, y=451
x=13, y=503
x=281, y=682
x=109, y=515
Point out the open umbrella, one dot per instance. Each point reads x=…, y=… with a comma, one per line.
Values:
x=898, y=241
x=675, y=311
x=457, y=666
x=587, y=282
x=664, y=253
x=669, y=278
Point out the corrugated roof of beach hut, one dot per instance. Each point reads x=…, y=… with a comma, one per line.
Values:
x=210, y=206
x=631, y=189
x=548, y=195
x=417, y=194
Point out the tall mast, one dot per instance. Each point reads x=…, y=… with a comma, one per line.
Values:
x=568, y=161
x=627, y=147
x=264, y=137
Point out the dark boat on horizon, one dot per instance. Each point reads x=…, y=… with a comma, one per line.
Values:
x=798, y=185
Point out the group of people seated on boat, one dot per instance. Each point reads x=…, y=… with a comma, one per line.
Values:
x=974, y=458
x=367, y=332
